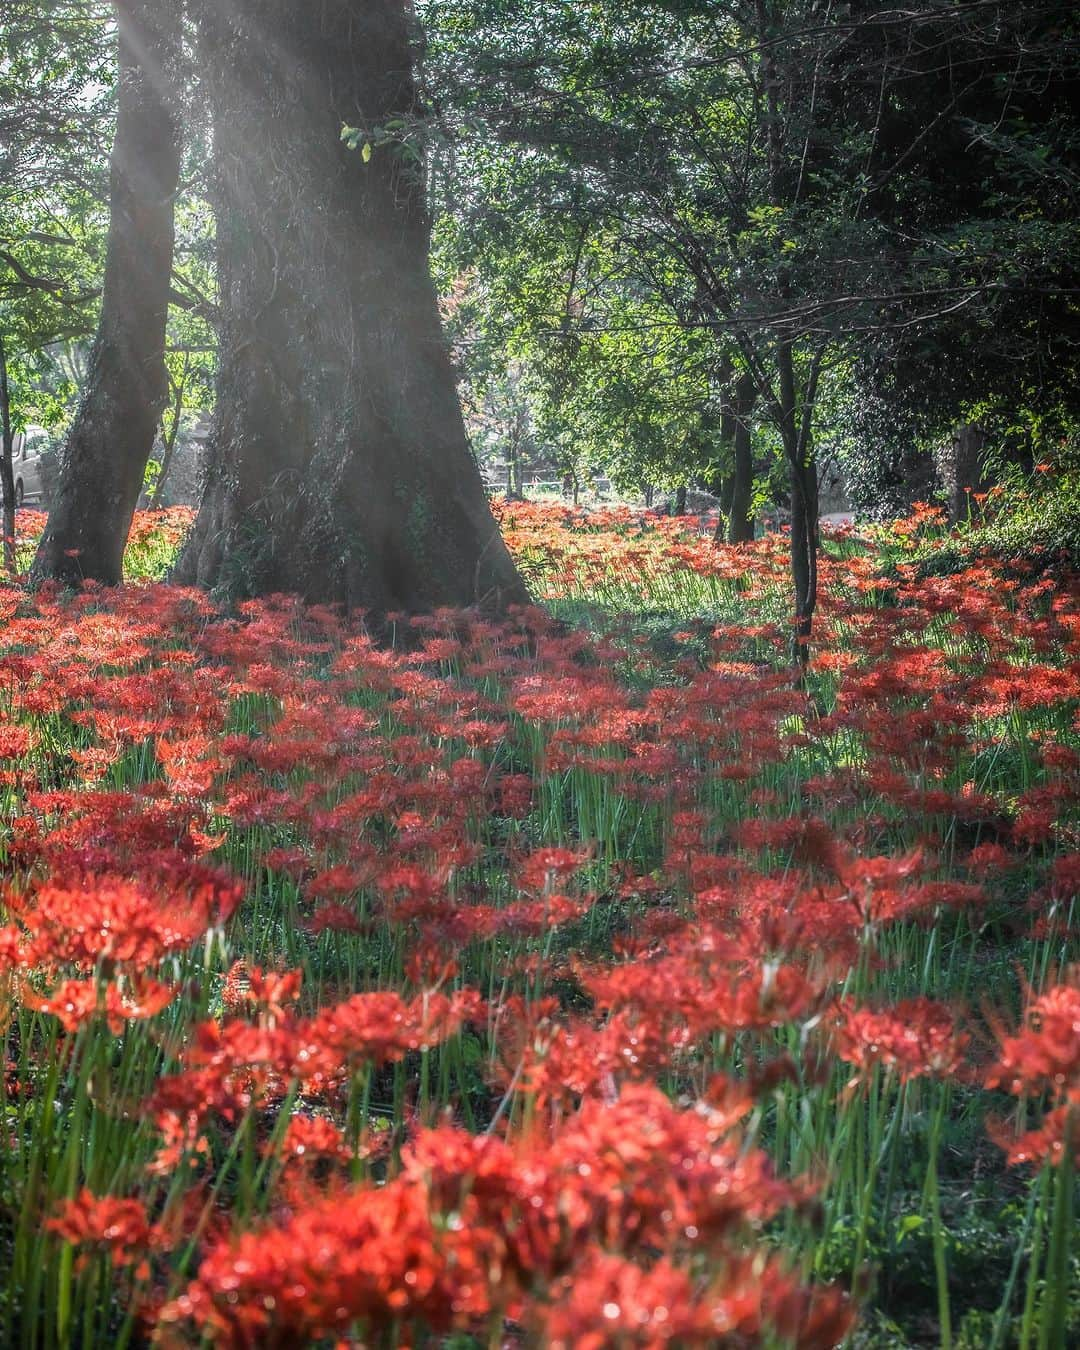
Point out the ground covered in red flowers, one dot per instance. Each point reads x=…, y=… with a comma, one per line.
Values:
x=569, y=984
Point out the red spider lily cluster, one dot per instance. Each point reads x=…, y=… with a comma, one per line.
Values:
x=474, y=983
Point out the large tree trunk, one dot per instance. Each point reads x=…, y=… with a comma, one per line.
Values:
x=101, y=472
x=339, y=464
x=7, y=468
x=740, y=516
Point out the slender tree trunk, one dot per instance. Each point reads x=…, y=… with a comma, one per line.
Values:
x=7, y=468
x=514, y=487
x=796, y=427
x=678, y=507
x=735, y=524
x=804, y=551
x=170, y=436
x=102, y=467
x=726, y=494
x=740, y=514
x=339, y=464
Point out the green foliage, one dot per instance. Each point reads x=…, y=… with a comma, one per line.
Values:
x=638, y=237
x=56, y=98
x=1034, y=528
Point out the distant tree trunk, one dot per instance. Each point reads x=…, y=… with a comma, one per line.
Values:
x=650, y=495
x=339, y=464
x=735, y=524
x=740, y=515
x=515, y=488
x=678, y=507
x=794, y=415
x=960, y=466
x=726, y=493
x=170, y=435
x=795, y=430
x=804, y=552
x=7, y=468
x=101, y=470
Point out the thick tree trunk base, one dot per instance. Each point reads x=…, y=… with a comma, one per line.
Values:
x=101, y=471
x=339, y=464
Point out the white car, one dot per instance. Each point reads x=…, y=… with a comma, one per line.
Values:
x=26, y=455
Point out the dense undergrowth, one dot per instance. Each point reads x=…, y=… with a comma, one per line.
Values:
x=1032, y=527
x=569, y=984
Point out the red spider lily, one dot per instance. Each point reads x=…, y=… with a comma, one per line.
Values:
x=77, y=1002
x=111, y=922
x=532, y=917
x=639, y=1172
x=374, y=1256
x=1064, y=882
x=378, y=1028
x=269, y=993
x=561, y=1064
x=108, y=1224
x=227, y=1070
x=310, y=1138
x=914, y=1038
x=468, y=1214
x=540, y=871
x=614, y=1304
x=988, y=858
x=190, y=764
x=1044, y=1056
x=708, y=989
x=1046, y=1144
x=514, y=794
x=181, y=1140
x=11, y=948
x=331, y=917
x=592, y=1187
x=16, y=741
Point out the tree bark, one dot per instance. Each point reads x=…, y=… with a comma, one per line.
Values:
x=960, y=463
x=726, y=493
x=804, y=551
x=735, y=524
x=7, y=468
x=170, y=436
x=796, y=432
x=339, y=464
x=740, y=515
x=104, y=460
